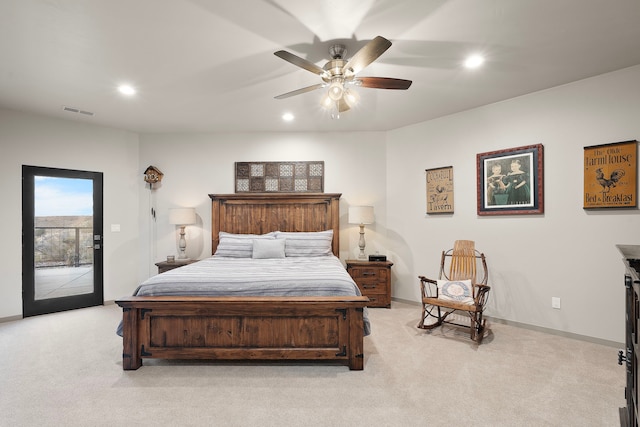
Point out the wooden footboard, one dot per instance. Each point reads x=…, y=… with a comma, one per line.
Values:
x=243, y=328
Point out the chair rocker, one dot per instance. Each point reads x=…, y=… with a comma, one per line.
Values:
x=462, y=286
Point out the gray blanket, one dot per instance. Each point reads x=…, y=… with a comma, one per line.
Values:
x=221, y=276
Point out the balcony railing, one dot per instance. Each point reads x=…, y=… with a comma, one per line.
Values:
x=63, y=246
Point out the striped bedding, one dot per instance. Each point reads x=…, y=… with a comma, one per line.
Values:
x=225, y=276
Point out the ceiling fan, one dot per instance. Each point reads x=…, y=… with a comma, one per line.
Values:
x=339, y=74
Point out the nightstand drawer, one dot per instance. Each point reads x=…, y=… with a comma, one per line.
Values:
x=379, y=300
x=372, y=287
x=370, y=273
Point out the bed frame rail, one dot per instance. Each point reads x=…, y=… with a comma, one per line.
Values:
x=243, y=328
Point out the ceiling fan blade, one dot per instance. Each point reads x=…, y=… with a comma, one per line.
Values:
x=383, y=83
x=300, y=62
x=300, y=91
x=369, y=53
x=342, y=105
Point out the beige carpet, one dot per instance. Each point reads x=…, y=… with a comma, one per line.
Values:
x=65, y=369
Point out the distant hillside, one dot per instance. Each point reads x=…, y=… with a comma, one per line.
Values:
x=64, y=221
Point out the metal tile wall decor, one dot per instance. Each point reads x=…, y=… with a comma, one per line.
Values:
x=279, y=177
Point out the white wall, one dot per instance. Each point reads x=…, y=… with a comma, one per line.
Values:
x=567, y=252
x=196, y=165
x=38, y=141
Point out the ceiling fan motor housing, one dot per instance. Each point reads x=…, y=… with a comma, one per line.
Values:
x=337, y=51
x=333, y=70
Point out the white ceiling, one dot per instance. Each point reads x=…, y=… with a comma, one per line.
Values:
x=208, y=65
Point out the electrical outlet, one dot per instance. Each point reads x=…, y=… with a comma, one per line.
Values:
x=555, y=302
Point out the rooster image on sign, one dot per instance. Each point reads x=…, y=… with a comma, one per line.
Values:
x=607, y=184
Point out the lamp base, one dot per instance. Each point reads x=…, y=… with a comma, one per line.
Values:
x=361, y=243
x=182, y=245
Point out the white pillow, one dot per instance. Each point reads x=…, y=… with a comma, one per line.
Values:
x=456, y=290
x=239, y=245
x=306, y=243
x=266, y=248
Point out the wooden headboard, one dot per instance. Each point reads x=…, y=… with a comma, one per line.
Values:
x=259, y=213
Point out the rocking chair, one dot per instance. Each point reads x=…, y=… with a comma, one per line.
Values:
x=462, y=286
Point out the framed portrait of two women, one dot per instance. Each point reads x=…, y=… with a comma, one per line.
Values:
x=510, y=181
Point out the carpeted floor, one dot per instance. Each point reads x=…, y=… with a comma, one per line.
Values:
x=65, y=369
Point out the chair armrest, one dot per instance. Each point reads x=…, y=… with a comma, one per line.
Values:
x=426, y=290
x=482, y=294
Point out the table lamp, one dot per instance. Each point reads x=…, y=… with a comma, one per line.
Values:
x=182, y=217
x=361, y=215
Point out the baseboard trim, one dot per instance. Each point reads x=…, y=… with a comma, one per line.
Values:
x=10, y=319
x=550, y=331
x=20, y=317
x=564, y=334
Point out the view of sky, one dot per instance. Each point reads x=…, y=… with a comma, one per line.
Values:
x=63, y=196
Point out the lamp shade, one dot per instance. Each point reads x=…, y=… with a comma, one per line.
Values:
x=361, y=215
x=182, y=216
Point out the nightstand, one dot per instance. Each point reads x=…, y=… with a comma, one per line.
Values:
x=374, y=280
x=170, y=265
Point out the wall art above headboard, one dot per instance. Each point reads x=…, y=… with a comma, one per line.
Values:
x=279, y=177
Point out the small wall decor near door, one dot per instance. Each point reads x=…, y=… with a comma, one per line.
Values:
x=440, y=190
x=152, y=175
x=279, y=177
x=510, y=181
x=610, y=175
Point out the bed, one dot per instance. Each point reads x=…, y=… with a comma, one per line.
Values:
x=280, y=325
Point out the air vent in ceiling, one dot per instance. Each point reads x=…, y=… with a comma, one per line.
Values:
x=76, y=110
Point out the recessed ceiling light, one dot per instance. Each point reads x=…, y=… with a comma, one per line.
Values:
x=474, y=61
x=288, y=117
x=126, y=90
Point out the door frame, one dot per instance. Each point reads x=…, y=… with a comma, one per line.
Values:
x=31, y=306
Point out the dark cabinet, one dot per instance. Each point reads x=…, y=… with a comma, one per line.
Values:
x=629, y=356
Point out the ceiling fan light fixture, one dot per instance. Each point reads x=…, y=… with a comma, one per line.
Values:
x=336, y=90
x=331, y=106
x=351, y=97
x=327, y=102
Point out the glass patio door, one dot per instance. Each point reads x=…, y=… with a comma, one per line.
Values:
x=61, y=239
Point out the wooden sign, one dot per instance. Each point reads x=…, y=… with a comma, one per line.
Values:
x=610, y=175
x=440, y=190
